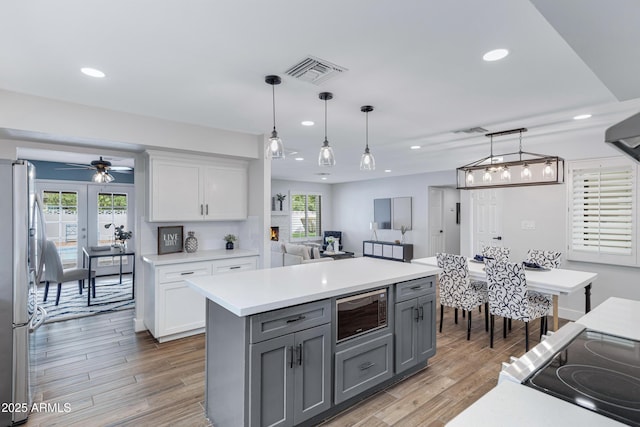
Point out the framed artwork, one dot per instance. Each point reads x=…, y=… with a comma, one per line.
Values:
x=170, y=239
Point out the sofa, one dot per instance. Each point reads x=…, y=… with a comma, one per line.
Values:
x=283, y=254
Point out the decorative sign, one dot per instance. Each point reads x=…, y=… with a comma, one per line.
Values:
x=170, y=239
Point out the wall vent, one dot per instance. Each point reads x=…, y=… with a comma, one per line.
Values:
x=476, y=129
x=314, y=70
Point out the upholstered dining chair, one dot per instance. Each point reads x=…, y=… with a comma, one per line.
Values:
x=499, y=253
x=510, y=298
x=458, y=291
x=549, y=259
x=54, y=272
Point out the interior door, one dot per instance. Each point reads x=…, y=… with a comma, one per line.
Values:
x=487, y=209
x=109, y=206
x=436, y=221
x=64, y=209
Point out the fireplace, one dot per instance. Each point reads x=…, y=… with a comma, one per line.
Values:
x=275, y=233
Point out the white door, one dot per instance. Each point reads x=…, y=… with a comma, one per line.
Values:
x=109, y=206
x=487, y=211
x=436, y=221
x=64, y=208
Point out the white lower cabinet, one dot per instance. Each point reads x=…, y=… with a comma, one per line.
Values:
x=174, y=310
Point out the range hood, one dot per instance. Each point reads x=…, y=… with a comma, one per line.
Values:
x=625, y=136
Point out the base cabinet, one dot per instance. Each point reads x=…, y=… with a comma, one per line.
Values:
x=174, y=310
x=289, y=377
x=415, y=319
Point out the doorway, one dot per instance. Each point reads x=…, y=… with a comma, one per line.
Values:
x=444, y=220
x=486, y=209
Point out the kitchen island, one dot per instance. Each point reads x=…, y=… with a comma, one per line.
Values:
x=273, y=356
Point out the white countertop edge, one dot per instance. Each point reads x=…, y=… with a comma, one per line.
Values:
x=206, y=255
x=195, y=284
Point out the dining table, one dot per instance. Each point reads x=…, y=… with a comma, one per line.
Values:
x=554, y=281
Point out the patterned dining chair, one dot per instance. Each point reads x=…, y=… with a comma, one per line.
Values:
x=549, y=259
x=499, y=253
x=510, y=298
x=458, y=291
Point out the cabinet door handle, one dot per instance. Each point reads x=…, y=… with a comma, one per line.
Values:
x=235, y=267
x=417, y=314
x=300, y=354
x=415, y=288
x=186, y=273
x=207, y=208
x=296, y=319
x=366, y=366
x=201, y=210
x=291, y=356
x=421, y=313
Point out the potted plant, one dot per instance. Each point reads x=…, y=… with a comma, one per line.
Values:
x=330, y=241
x=230, y=238
x=281, y=198
x=403, y=230
x=120, y=236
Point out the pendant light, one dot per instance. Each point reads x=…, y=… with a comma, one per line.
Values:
x=326, y=157
x=367, y=162
x=274, y=148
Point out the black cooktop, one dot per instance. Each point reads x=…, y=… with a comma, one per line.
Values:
x=597, y=371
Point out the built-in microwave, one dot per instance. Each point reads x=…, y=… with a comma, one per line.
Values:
x=362, y=313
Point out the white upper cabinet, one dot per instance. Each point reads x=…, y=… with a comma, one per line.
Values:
x=193, y=189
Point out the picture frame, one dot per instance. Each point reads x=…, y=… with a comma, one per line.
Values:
x=170, y=239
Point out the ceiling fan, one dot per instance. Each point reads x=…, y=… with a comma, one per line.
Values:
x=103, y=169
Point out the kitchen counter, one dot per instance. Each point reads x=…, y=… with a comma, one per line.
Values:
x=510, y=403
x=182, y=257
x=251, y=292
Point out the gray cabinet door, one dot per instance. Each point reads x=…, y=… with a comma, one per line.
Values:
x=312, y=378
x=406, y=318
x=271, y=380
x=426, y=327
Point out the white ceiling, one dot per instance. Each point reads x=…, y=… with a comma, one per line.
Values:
x=418, y=62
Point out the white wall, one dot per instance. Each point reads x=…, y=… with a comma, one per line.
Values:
x=353, y=208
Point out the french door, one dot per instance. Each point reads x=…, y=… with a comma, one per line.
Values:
x=76, y=216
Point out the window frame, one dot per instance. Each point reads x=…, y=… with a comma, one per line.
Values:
x=319, y=227
x=604, y=164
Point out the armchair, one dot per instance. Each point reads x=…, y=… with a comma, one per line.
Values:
x=337, y=235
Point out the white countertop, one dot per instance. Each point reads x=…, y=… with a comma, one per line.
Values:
x=615, y=316
x=181, y=257
x=510, y=404
x=250, y=292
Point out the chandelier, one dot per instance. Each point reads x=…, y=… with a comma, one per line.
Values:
x=511, y=169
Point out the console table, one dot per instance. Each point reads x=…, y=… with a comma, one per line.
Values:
x=402, y=252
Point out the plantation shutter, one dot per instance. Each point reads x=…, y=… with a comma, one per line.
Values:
x=602, y=214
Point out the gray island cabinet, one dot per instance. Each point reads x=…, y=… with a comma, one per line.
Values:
x=273, y=357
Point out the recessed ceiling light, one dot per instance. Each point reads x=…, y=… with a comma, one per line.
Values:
x=415, y=147
x=307, y=123
x=387, y=170
x=299, y=159
x=92, y=72
x=582, y=116
x=324, y=178
x=495, y=55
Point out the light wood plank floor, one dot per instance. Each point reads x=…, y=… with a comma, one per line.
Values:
x=112, y=376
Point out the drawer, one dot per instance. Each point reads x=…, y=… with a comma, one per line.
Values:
x=414, y=288
x=234, y=264
x=362, y=367
x=177, y=272
x=276, y=323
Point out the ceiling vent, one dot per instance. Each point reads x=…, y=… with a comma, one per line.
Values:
x=314, y=70
x=476, y=129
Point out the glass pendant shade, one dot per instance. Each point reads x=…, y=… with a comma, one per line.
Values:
x=506, y=174
x=274, y=148
x=525, y=174
x=326, y=156
x=102, y=177
x=487, y=176
x=470, y=178
x=547, y=172
x=367, y=162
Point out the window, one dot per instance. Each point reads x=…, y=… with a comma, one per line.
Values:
x=60, y=209
x=306, y=220
x=602, y=211
x=112, y=212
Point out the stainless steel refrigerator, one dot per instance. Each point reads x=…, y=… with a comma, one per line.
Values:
x=20, y=268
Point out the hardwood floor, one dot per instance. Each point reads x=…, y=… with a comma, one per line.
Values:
x=110, y=376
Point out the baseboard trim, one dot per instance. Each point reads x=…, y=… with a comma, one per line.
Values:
x=138, y=325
